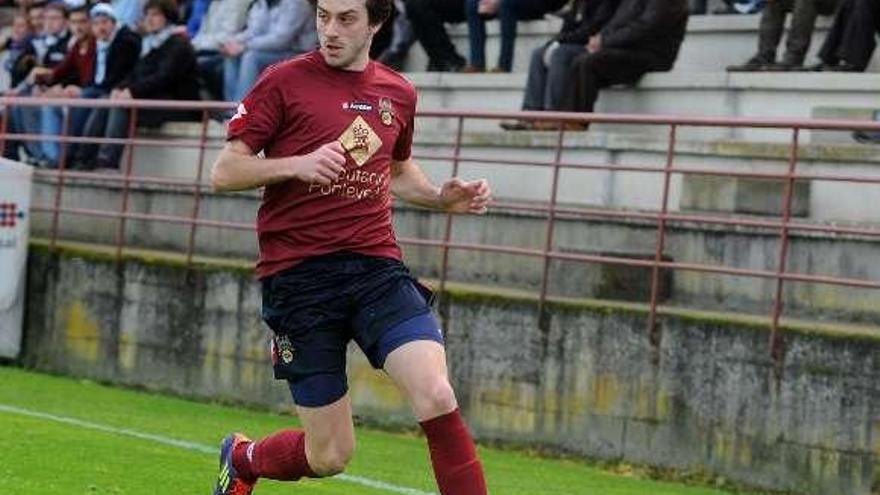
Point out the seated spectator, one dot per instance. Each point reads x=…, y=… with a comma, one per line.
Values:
x=402, y=38
x=65, y=80
x=849, y=45
x=166, y=70
x=509, y=13
x=45, y=50
x=116, y=51
x=15, y=45
x=276, y=30
x=35, y=13
x=427, y=18
x=223, y=19
x=550, y=64
x=642, y=36
x=803, y=20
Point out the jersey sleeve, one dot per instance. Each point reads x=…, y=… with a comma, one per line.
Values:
x=260, y=114
x=403, y=146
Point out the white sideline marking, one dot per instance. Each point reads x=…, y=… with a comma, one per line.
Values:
x=197, y=447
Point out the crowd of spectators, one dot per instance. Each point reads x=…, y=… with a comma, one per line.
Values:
x=216, y=49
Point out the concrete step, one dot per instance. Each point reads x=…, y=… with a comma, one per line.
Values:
x=817, y=200
x=712, y=43
x=716, y=94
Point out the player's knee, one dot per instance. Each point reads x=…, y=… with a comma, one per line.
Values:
x=437, y=398
x=331, y=461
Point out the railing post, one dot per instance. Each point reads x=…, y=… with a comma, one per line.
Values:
x=653, y=331
x=776, y=343
x=551, y=225
x=197, y=191
x=59, y=184
x=126, y=182
x=447, y=236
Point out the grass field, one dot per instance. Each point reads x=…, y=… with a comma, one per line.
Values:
x=63, y=436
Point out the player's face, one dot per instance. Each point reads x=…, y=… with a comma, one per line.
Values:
x=345, y=33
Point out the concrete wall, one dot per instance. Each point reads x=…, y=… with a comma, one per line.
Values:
x=585, y=379
x=747, y=248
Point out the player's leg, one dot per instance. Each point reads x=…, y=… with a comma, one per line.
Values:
x=419, y=370
x=396, y=329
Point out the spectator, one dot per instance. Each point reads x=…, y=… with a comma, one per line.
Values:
x=223, y=19
x=15, y=45
x=65, y=80
x=509, y=12
x=850, y=43
x=427, y=18
x=35, y=13
x=642, y=36
x=549, y=65
x=166, y=70
x=402, y=38
x=276, y=29
x=116, y=51
x=45, y=50
x=803, y=20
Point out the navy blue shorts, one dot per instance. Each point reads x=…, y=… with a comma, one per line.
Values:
x=317, y=307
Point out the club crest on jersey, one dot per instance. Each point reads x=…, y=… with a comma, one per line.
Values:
x=386, y=111
x=357, y=106
x=360, y=141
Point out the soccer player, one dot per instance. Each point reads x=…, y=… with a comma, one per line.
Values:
x=336, y=131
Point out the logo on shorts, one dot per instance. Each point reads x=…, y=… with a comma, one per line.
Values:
x=282, y=349
x=386, y=111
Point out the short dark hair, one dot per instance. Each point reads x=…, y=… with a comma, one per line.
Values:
x=167, y=7
x=59, y=6
x=378, y=11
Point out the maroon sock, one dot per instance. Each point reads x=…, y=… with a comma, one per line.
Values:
x=456, y=467
x=281, y=456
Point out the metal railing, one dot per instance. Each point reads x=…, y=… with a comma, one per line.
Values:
x=784, y=224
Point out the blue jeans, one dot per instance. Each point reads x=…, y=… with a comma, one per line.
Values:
x=240, y=73
x=509, y=13
x=23, y=120
x=545, y=87
x=51, y=119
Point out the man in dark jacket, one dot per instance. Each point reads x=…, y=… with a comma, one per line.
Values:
x=116, y=51
x=642, y=36
x=549, y=65
x=166, y=70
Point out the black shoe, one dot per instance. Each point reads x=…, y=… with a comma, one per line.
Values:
x=454, y=64
x=754, y=64
x=867, y=137
x=786, y=66
x=842, y=66
x=517, y=125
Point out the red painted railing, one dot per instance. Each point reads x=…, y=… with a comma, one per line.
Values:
x=784, y=223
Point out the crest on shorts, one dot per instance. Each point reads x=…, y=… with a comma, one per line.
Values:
x=283, y=349
x=360, y=141
x=386, y=111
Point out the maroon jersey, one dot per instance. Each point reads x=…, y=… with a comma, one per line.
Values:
x=298, y=106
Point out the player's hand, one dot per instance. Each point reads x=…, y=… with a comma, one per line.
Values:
x=458, y=196
x=322, y=166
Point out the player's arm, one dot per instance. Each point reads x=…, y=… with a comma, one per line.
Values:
x=409, y=183
x=238, y=167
